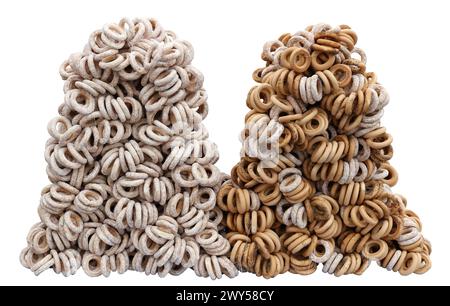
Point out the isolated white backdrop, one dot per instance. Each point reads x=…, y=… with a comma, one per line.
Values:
x=407, y=46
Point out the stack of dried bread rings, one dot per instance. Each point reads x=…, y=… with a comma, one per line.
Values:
x=133, y=181
x=313, y=185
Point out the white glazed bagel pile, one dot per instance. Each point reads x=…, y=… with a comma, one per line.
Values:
x=133, y=181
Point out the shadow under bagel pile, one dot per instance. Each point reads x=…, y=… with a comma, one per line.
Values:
x=313, y=185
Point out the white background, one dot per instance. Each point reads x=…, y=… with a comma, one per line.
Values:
x=407, y=46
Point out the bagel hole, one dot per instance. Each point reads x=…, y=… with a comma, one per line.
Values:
x=204, y=197
x=93, y=264
x=374, y=248
x=90, y=195
x=74, y=219
x=42, y=242
x=314, y=123
x=35, y=258
x=320, y=250
x=128, y=69
x=112, y=231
